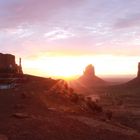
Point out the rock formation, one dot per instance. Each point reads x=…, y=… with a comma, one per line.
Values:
x=10, y=73
x=134, y=83
x=89, y=71
x=8, y=64
x=138, y=74
x=89, y=78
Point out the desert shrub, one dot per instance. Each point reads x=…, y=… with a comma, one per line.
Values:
x=24, y=95
x=64, y=92
x=71, y=90
x=81, y=97
x=74, y=97
x=66, y=86
x=109, y=114
x=93, y=105
x=98, y=108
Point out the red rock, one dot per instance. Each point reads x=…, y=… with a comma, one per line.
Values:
x=3, y=137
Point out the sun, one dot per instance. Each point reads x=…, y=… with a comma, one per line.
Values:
x=71, y=67
x=57, y=67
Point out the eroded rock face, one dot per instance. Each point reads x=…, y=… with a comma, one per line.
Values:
x=6, y=60
x=138, y=75
x=89, y=71
x=8, y=64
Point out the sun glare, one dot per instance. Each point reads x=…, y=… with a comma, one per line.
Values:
x=69, y=67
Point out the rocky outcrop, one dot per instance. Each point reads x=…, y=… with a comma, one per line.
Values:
x=89, y=78
x=6, y=60
x=134, y=83
x=89, y=71
x=8, y=64
x=138, y=74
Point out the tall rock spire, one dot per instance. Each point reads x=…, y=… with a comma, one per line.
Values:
x=89, y=71
x=20, y=67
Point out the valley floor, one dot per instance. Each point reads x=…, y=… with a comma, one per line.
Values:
x=28, y=113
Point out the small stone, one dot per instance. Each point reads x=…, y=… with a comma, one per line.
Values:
x=21, y=115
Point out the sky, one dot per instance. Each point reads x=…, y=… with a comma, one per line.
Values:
x=58, y=38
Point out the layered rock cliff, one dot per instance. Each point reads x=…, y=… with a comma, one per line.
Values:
x=8, y=64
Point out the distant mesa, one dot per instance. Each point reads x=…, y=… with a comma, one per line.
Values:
x=11, y=74
x=136, y=81
x=89, y=78
x=138, y=75
x=8, y=64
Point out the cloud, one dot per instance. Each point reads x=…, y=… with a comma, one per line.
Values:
x=16, y=13
x=129, y=21
x=58, y=33
x=69, y=26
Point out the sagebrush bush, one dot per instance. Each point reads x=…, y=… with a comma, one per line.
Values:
x=109, y=114
x=74, y=97
x=93, y=105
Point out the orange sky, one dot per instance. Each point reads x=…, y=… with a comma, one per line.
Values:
x=71, y=66
x=58, y=38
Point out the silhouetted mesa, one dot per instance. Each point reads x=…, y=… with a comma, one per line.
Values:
x=134, y=83
x=11, y=74
x=89, y=78
x=138, y=75
x=89, y=71
x=8, y=64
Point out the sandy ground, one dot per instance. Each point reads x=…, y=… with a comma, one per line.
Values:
x=33, y=111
